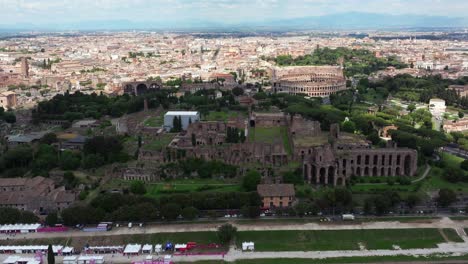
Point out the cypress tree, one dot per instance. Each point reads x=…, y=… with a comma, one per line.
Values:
x=50, y=255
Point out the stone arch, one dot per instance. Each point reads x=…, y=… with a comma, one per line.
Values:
x=129, y=89
x=397, y=171
x=305, y=172
x=322, y=176
x=407, y=165
x=375, y=160
x=141, y=88
x=382, y=172
x=389, y=172
x=366, y=171
x=358, y=171
x=374, y=171
x=331, y=175
x=314, y=174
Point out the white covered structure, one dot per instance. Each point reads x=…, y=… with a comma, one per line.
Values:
x=147, y=249
x=248, y=246
x=180, y=247
x=187, y=117
x=90, y=259
x=19, y=228
x=437, y=107
x=105, y=249
x=132, y=249
x=70, y=260
x=21, y=260
x=158, y=248
x=30, y=249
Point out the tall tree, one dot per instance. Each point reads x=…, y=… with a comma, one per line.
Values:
x=50, y=255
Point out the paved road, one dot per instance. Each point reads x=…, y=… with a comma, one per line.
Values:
x=444, y=222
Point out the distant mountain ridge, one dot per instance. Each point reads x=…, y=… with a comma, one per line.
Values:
x=349, y=20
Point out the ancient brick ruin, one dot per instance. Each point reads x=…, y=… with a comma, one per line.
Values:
x=327, y=157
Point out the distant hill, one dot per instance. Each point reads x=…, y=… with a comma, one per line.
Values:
x=349, y=20
x=369, y=21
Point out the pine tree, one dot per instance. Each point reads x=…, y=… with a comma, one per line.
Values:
x=50, y=255
x=179, y=120
x=175, y=124
x=194, y=140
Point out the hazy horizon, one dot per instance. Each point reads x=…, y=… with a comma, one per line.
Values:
x=218, y=13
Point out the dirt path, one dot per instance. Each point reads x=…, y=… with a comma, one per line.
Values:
x=444, y=222
x=441, y=232
x=426, y=172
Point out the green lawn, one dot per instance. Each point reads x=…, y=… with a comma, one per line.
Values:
x=342, y=260
x=436, y=181
x=452, y=235
x=191, y=185
x=159, y=143
x=221, y=115
x=310, y=240
x=271, y=135
x=451, y=160
x=155, y=121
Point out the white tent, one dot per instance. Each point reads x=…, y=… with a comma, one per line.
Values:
x=147, y=249
x=21, y=228
x=132, y=249
x=248, y=246
x=90, y=258
x=158, y=248
x=70, y=260
x=180, y=246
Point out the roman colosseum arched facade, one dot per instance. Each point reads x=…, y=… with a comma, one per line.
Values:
x=314, y=81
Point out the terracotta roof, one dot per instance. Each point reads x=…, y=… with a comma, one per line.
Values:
x=4, y=182
x=275, y=190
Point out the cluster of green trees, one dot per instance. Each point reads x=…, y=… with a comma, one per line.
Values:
x=205, y=169
x=14, y=216
x=47, y=64
x=356, y=61
x=78, y=105
x=42, y=158
x=233, y=135
x=460, y=139
x=8, y=116
x=420, y=89
x=122, y=207
x=383, y=203
x=101, y=150
x=329, y=201
x=93, y=70
x=205, y=101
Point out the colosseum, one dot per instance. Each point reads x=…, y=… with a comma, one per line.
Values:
x=315, y=81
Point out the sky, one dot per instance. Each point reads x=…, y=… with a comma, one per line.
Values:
x=225, y=11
